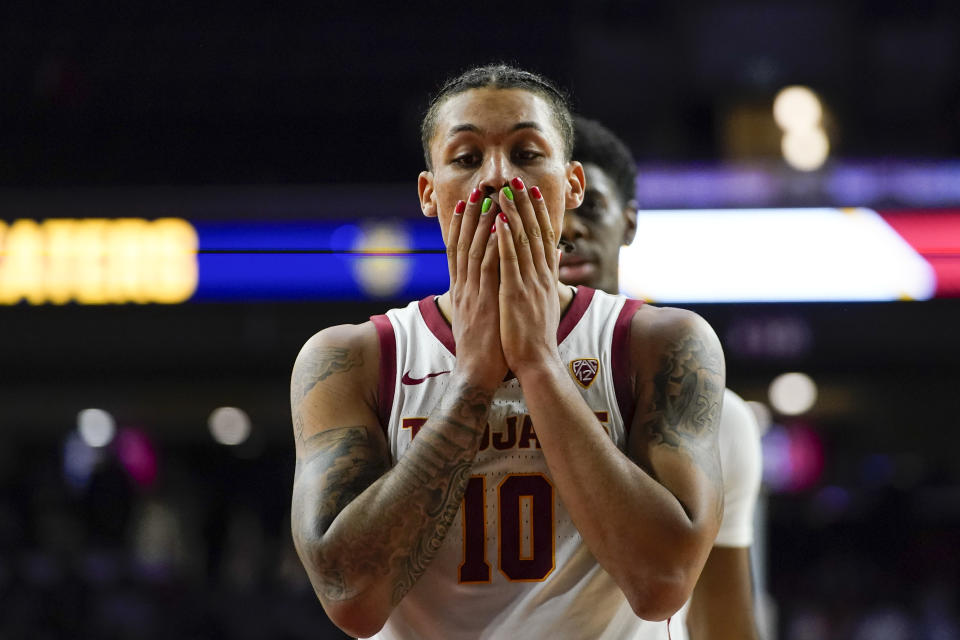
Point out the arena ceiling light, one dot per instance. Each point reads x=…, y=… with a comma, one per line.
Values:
x=96, y=427
x=797, y=108
x=792, y=394
x=229, y=425
x=799, y=114
x=806, y=150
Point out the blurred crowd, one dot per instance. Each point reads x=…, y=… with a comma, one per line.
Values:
x=204, y=553
x=874, y=573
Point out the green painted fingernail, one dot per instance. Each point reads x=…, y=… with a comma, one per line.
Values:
x=486, y=205
x=507, y=192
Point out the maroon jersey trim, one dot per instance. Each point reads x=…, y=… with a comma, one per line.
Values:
x=441, y=330
x=386, y=386
x=578, y=307
x=620, y=362
x=436, y=323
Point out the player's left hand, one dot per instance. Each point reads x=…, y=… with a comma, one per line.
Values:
x=529, y=263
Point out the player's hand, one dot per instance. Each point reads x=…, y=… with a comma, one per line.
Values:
x=472, y=262
x=529, y=263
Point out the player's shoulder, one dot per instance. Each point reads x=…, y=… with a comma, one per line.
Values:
x=654, y=329
x=354, y=337
x=352, y=348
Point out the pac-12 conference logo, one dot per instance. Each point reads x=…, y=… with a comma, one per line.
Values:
x=585, y=370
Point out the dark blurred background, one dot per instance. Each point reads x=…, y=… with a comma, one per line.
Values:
x=244, y=111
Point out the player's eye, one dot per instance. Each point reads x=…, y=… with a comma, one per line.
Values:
x=526, y=155
x=466, y=160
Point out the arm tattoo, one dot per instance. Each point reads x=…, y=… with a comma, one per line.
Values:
x=313, y=366
x=441, y=509
x=350, y=464
x=396, y=528
x=343, y=463
x=685, y=408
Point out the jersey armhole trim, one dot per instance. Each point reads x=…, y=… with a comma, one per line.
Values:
x=386, y=386
x=620, y=363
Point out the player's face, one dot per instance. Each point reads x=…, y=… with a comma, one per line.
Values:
x=597, y=229
x=486, y=137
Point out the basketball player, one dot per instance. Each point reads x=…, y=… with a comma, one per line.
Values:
x=722, y=604
x=514, y=458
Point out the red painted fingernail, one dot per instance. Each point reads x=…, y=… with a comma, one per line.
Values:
x=502, y=216
x=493, y=229
x=475, y=195
x=461, y=205
x=517, y=183
x=536, y=193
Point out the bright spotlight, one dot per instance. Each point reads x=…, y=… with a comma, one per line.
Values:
x=797, y=108
x=805, y=150
x=96, y=427
x=792, y=393
x=383, y=276
x=229, y=425
x=799, y=114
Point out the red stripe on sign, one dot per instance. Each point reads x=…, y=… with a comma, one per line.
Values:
x=935, y=235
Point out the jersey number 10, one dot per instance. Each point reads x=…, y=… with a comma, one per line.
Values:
x=521, y=499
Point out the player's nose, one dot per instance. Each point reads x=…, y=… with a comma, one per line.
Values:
x=495, y=172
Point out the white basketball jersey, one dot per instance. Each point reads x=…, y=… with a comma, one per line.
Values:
x=512, y=565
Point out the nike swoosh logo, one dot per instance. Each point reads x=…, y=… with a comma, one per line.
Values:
x=406, y=379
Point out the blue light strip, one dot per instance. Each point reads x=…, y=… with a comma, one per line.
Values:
x=236, y=261
x=903, y=183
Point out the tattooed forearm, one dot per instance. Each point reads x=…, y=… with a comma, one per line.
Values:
x=443, y=511
x=361, y=523
x=349, y=463
x=333, y=468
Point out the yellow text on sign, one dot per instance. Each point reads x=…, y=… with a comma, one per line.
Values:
x=97, y=261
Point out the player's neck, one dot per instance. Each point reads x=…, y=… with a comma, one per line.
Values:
x=443, y=301
x=614, y=287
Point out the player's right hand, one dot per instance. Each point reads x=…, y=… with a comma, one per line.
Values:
x=473, y=262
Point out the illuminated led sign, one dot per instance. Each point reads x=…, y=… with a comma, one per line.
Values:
x=97, y=261
x=772, y=255
x=728, y=255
